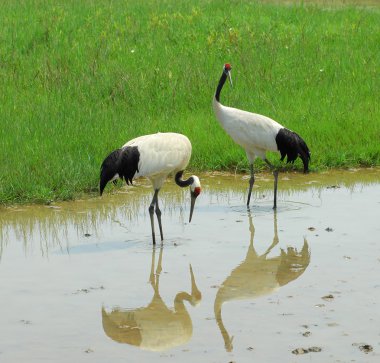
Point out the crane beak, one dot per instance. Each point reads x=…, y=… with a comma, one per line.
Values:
x=229, y=78
x=193, y=196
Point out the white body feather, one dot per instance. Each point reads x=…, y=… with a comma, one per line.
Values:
x=161, y=154
x=255, y=133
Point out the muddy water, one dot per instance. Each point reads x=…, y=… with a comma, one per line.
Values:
x=81, y=282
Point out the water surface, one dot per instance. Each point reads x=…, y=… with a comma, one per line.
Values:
x=81, y=281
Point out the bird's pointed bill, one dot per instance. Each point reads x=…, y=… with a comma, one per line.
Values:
x=193, y=194
x=229, y=78
x=193, y=198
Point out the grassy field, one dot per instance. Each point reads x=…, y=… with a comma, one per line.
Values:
x=79, y=78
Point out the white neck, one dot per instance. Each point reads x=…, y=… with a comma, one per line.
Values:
x=221, y=113
x=218, y=109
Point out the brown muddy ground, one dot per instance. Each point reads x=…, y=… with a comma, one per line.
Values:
x=81, y=282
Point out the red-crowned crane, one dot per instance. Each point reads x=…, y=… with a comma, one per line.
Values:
x=154, y=157
x=258, y=134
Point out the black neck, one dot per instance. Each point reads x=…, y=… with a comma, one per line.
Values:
x=183, y=183
x=220, y=85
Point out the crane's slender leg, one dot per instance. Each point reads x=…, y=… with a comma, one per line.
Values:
x=151, y=211
x=275, y=174
x=251, y=182
x=158, y=214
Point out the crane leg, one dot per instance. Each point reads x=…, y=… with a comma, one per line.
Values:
x=275, y=174
x=251, y=182
x=151, y=212
x=158, y=214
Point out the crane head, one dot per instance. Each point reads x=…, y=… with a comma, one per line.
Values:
x=195, y=190
x=227, y=71
x=227, y=67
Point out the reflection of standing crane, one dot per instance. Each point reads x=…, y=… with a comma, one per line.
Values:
x=154, y=327
x=258, y=134
x=155, y=157
x=258, y=275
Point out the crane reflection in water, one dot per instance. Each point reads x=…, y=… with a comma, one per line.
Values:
x=154, y=327
x=259, y=275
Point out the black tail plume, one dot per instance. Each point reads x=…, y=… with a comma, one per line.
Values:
x=292, y=145
x=109, y=169
x=123, y=162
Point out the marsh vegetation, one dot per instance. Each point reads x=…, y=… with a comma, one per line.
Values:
x=78, y=79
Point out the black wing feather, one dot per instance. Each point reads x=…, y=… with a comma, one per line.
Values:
x=123, y=162
x=129, y=163
x=292, y=145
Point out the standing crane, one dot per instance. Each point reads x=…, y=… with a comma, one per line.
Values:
x=258, y=134
x=153, y=156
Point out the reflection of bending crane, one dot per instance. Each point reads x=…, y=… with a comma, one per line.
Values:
x=154, y=327
x=258, y=275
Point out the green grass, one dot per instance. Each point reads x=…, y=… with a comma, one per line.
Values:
x=79, y=78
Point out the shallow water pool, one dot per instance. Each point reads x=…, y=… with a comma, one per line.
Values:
x=82, y=282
